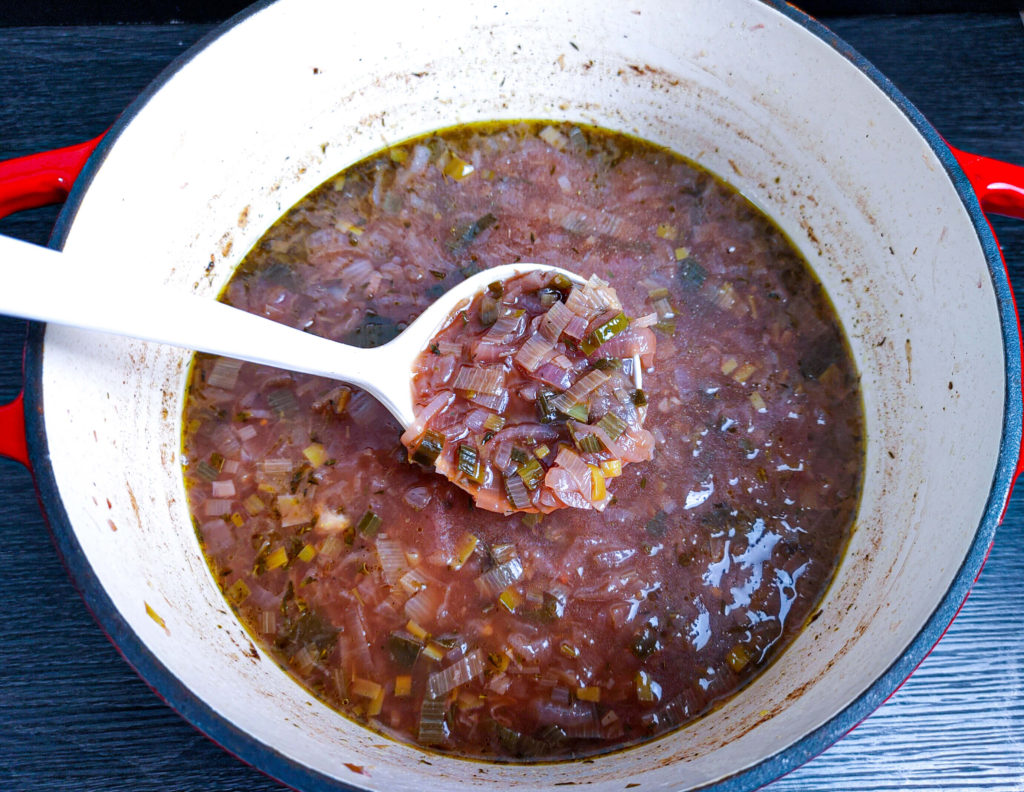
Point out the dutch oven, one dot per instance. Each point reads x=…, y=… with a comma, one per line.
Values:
x=288, y=93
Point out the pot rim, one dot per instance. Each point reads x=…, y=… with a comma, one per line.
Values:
x=269, y=761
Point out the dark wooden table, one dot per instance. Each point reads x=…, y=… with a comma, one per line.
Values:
x=73, y=715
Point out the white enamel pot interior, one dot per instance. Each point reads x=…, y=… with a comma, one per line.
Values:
x=291, y=93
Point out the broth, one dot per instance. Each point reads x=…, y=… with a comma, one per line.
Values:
x=531, y=637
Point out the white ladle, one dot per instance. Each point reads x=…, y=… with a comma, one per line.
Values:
x=48, y=286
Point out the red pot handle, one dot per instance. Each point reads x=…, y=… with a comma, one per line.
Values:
x=1000, y=190
x=12, y=431
x=999, y=185
x=26, y=183
x=41, y=179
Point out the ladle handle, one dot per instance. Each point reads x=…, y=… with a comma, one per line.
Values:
x=49, y=286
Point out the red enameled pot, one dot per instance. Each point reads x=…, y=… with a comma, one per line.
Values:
x=890, y=217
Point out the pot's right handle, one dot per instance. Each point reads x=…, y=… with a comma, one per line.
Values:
x=999, y=185
x=27, y=183
x=1000, y=190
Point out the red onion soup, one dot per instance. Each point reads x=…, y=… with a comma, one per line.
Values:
x=526, y=398
x=386, y=592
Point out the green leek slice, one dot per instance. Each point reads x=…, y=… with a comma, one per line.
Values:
x=429, y=448
x=604, y=332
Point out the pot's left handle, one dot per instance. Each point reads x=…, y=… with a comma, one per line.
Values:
x=26, y=183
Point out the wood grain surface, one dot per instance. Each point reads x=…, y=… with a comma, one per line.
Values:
x=74, y=716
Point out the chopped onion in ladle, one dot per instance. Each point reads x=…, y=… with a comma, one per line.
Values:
x=541, y=364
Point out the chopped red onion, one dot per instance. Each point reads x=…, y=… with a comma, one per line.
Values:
x=223, y=489
x=495, y=580
x=417, y=497
x=458, y=673
x=489, y=380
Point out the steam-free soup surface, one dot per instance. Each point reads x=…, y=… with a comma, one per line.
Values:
x=378, y=585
